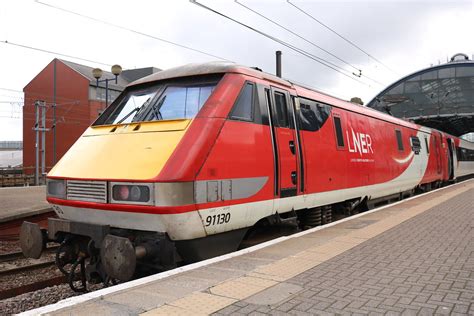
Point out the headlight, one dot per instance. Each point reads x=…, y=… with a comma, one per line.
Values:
x=56, y=188
x=131, y=193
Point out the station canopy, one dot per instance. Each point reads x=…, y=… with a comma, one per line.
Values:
x=441, y=97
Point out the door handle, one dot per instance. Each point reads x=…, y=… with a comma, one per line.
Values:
x=292, y=147
x=293, y=177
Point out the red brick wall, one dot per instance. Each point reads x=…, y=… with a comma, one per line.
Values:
x=73, y=113
x=95, y=107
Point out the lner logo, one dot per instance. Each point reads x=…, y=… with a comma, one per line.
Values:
x=361, y=143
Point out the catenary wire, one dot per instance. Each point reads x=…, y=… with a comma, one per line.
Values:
x=339, y=35
x=131, y=30
x=311, y=56
x=296, y=34
x=54, y=53
x=313, y=44
x=281, y=42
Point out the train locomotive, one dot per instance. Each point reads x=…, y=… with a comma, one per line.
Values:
x=186, y=162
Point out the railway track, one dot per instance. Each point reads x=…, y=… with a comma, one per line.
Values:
x=18, y=277
x=18, y=255
x=26, y=268
x=17, y=274
x=27, y=288
x=10, y=230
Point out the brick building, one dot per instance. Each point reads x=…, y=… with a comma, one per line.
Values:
x=78, y=103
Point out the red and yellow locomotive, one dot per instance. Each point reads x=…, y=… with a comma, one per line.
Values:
x=187, y=160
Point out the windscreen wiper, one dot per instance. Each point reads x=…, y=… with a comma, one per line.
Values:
x=156, y=108
x=137, y=109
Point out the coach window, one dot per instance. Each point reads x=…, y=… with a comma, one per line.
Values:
x=338, y=128
x=398, y=134
x=312, y=115
x=243, y=108
x=282, y=109
x=427, y=146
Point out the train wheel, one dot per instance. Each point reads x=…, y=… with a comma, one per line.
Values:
x=326, y=214
x=311, y=218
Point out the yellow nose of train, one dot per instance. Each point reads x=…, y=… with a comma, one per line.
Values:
x=136, y=151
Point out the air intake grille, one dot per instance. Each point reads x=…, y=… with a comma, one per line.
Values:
x=89, y=191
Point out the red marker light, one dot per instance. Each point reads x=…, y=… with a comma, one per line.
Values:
x=131, y=193
x=124, y=192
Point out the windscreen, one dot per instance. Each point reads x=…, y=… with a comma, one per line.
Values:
x=160, y=102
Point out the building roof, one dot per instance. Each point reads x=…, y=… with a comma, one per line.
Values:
x=123, y=79
x=440, y=97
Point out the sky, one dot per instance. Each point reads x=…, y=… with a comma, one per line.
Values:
x=394, y=39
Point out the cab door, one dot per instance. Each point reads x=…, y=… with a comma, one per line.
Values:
x=281, y=111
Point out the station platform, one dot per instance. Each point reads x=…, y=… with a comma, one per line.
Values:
x=412, y=257
x=18, y=202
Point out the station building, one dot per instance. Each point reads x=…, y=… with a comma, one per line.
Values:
x=441, y=97
x=78, y=103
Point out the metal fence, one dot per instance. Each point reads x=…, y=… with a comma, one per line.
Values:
x=11, y=145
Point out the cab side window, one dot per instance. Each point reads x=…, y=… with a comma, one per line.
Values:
x=243, y=109
x=281, y=109
x=313, y=115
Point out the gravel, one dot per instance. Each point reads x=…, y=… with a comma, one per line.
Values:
x=37, y=299
x=28, y=277
x=47, y=296
x=9, y=246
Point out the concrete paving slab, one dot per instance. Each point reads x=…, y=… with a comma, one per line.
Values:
x=203, y=303
x=240, y=264
x=329, y=233
x=176, y=287
x=236, y=290
x=287, y=267
x=213, y=274
x=169, y=310
x=140, y=299
x=18, y=202
x=101, y=308
x=275, y=294
x=242, y=287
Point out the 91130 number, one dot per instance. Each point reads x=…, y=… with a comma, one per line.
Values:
x=217, y=219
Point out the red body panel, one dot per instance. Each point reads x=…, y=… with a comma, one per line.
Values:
x=235, y=155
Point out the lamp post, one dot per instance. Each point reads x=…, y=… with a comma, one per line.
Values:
x=97, y=73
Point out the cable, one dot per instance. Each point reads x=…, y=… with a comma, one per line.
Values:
x=292, y=47
x=315, y=45
x=299, y=36
x=39, y=95
x=54, y=53
x=342, y=37
x=130, y=30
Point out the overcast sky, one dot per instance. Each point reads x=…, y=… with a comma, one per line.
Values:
x=404, y=36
